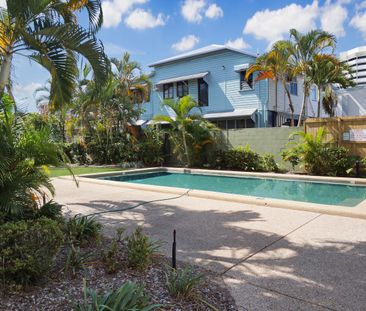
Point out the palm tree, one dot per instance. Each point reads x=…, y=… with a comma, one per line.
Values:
x=131, y=78
x=188, y=130
x=275, y=65
x=47, y=32
x=303, y=48
x=325, y=70
x=24, y=153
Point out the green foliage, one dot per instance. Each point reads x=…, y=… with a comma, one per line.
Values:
x=110, y=257
x=77, y=153
x=128, y=297
x=181, y=282
x=75, y=260
x=269, y=164
x=189, y=133
x=27, y=249
x=24, y=155
x=318, y=156
x=140, y=249
x=51, y=210
x=82, y=230
x=239, y=158
x=151, y=146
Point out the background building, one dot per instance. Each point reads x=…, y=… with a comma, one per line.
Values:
x=356, y=59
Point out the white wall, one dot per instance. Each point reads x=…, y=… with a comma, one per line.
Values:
x=352, y=101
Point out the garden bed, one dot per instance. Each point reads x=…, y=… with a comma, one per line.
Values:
x=62, y=290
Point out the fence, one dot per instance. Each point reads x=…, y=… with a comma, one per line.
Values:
x=262, y=140
x=349, y=132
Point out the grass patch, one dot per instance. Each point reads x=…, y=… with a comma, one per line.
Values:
x=79, y=170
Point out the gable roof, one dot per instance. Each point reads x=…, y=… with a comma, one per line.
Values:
x=199, y=52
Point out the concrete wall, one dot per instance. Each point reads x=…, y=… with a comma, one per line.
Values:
x=263, y=140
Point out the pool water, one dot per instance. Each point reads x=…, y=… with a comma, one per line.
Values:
x=295, y=190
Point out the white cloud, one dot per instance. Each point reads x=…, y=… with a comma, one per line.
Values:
x=24, y=96
x=274, y=25
x=193, y=10
x=141, y=19
x=214, y=11
x=186, y=43
x=333, y=17
x=113, y=10
x=359, y=22
x=238, y=44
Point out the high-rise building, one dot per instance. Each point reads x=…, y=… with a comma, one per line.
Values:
x=356, y=59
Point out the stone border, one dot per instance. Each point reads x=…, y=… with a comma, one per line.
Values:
x=359, y=211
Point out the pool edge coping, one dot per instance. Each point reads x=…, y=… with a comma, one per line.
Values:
x=358, y=211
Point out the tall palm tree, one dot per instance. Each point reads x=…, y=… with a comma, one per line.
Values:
x=47, y=32
x=275, y=65
x=130, y=76
x=303, y=48
x=187, y=128
x=325, y=70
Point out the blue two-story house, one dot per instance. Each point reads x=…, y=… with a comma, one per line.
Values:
x=215, y=77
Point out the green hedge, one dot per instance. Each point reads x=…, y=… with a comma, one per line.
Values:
x=27, y=249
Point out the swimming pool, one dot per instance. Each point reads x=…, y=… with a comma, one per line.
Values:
x=284, y=189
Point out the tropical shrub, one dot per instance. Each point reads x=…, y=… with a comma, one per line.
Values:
x=51, y=210
x=318, y=156
x=239, y=158
x=110, y=256
x=269, y=163
x=82, y=229
x=181, y=282
x=140, y=249
x=189, y=133
x=128, y=297
x=27, y=249
x=151, y=146
x=24, y=155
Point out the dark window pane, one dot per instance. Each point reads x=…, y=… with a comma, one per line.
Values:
x=168, y=91
x=182, y=89
x=230, y=124
x=202, y=92
x=249, y=123
x=240, y=124
x=221, y=124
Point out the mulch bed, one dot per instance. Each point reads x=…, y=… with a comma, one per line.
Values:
x=61, y=291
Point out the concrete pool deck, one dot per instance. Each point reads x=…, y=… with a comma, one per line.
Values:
x=358, y=211
x=270, y=258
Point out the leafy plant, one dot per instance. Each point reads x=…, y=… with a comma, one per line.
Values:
x=181, y=282
x=239, y=158
x=269, y=163
x=51, y=210
x=110, y=257
x=27, y=249
x=128, y=297
x=140, y=249
x=82, y=229
x=318, y=156
x=75, y=260
x=152, y=146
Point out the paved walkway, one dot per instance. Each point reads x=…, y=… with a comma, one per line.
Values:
x=270, y=258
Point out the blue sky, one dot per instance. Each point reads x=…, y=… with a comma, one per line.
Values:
x=154, y=29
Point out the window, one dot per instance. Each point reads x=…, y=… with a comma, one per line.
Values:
x=293, y=87
x=168, y=90
x=182, y=89
x=202, y=92
x=230, y=124
x=245, y=83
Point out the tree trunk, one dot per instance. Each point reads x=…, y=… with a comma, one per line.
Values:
x=319, y=95
x=290, y=105
x=185, y=146
x=276, y=99
x=4, y=78
x=303, y=102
